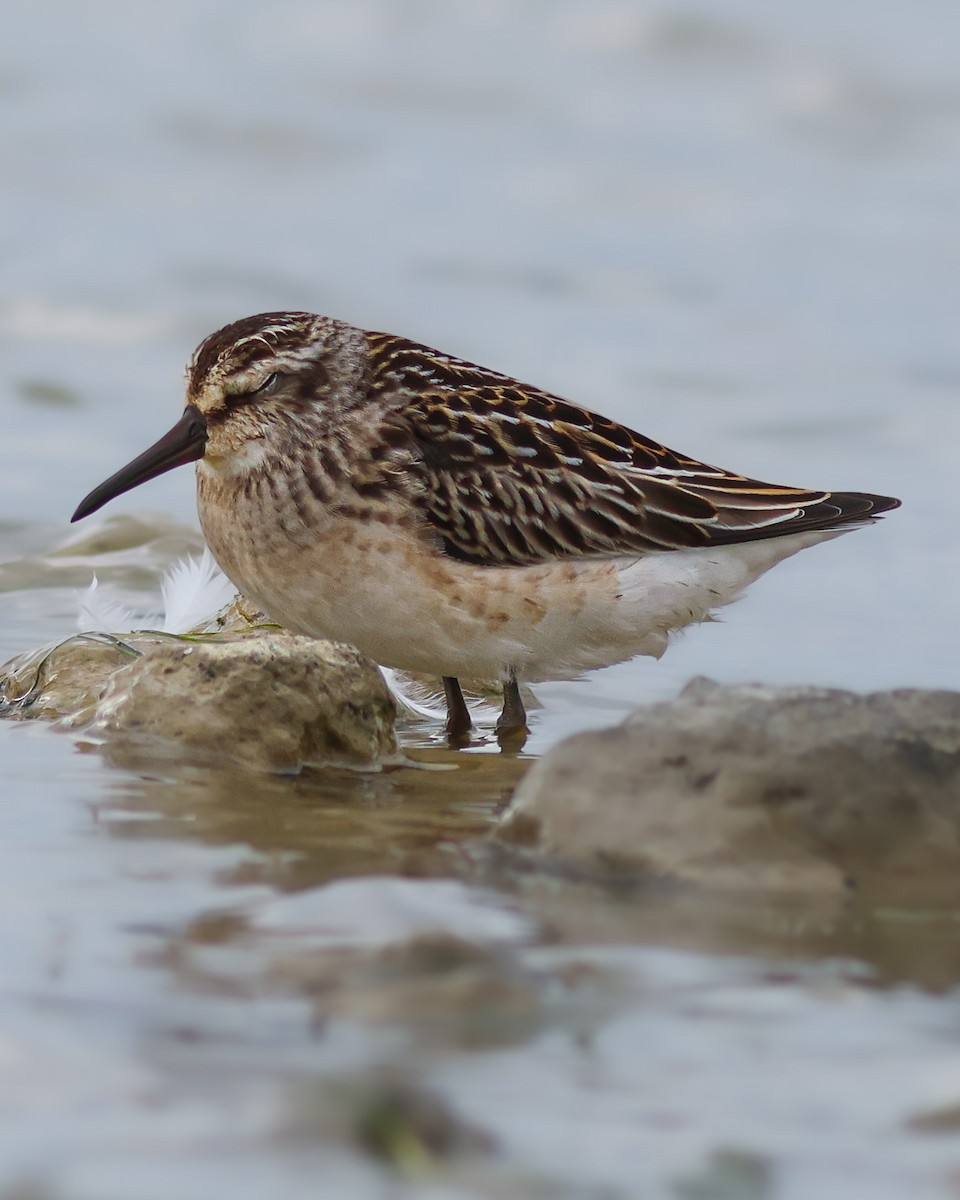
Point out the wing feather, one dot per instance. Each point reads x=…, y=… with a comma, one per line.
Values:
x=509, y=475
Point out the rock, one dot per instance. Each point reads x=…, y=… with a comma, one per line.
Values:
x=273, y=702
x=63, y=680
x=252, y=694
x=791, y=790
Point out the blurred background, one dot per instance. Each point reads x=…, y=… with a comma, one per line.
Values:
x=729, y=224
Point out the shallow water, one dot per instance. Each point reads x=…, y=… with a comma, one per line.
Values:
x=732, y=226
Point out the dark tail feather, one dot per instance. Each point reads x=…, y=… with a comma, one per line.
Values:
x=853, y=506
x=837, y=510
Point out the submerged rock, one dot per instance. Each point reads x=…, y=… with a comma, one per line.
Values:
x=751, y=787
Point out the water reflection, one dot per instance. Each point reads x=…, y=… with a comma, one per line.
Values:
x=298, y=834
x=321, y=825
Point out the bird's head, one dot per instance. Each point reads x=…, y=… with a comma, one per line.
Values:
x=252, y=387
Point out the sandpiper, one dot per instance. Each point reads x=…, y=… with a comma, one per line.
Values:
x=450, y=520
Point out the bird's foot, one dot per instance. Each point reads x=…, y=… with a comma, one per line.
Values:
x=512, y=731
x=459, y=724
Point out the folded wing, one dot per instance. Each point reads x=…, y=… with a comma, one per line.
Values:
x=509, y=475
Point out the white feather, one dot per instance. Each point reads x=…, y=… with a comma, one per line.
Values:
x=99, y=612
x=435, y=712
x=193, y=591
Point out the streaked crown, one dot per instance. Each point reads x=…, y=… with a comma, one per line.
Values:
x=291, y=360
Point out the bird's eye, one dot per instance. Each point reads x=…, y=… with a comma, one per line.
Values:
x=267, y=388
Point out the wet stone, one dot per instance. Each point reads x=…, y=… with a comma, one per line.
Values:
x=62, y=680
x=789, y=790
x=265, y=699
x=274, y=702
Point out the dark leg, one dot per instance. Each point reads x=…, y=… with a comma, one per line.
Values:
x=458, y=715
x=512, y=725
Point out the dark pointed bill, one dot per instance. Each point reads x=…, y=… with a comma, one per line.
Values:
x=185, y=443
